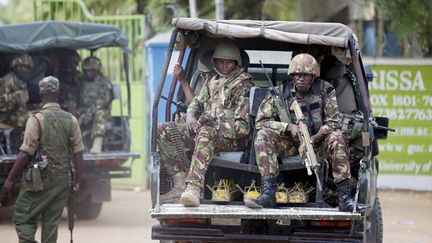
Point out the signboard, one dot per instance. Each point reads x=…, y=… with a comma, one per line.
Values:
x=403, y=93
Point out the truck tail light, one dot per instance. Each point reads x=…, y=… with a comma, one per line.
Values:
x=332, y=223
x=184, y=221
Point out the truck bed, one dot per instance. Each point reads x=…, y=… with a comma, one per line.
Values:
x=242, y=212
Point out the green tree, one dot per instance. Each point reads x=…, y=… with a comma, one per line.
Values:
x=16, y=11
x=410, y=19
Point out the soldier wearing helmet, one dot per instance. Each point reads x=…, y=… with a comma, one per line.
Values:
x=217, y=120
x=69, y=77
x=13, y=92
x=94, y=104
x=275, y=138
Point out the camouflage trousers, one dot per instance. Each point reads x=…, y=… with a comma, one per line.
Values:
x=269, y=145
x=97, y=124
x=204, y=145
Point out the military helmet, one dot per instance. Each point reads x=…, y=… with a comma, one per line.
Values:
x=204, y=62
x=92, y=63
x=22, y=59
x=304, y=63
x=227, y=51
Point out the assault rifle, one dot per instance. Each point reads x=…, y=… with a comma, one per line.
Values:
x=280, y=103
x=310, y=159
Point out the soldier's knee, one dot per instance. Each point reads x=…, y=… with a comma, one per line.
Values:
x=161, y=129
x=335, y=137
x=265, y=134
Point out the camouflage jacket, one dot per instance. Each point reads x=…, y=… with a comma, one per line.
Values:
x=10, y=84
x=95, y=95
x=69, y=93
x=319, y=107
x=227, y=100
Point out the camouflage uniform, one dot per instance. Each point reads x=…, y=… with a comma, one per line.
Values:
x=69, y=93
x=225, y=99
x=275, y=138
x=94, y=105
x=14, y=95
x=321, y=111
x=70, y=81
x=51, y=130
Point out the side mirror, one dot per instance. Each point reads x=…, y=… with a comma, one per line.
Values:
x=369, y=74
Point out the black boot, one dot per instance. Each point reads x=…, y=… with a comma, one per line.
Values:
x=346, y=203
x=267, y=198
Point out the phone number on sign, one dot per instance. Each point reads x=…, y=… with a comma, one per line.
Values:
x=404, y=113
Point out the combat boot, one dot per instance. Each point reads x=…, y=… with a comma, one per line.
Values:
x=190, y=197
x=97, y=145
x=179, y=185
x=346, y=203
x=267, y=198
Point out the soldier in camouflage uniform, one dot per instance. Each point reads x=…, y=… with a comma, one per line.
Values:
x=13, y=92
x=276, y=138
x=70, y=79
x=216, y=120
x=94, y=102
x=53, y=136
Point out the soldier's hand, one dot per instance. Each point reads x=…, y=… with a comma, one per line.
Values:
x=206, y=119
x=293, y=130
x=192, y=123
x=179, y=74
x=317, y=138
x=8, y=186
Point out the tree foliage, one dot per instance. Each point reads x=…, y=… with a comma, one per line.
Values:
x=410, y=18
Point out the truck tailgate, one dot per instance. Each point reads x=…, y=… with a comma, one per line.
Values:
x=242, y=212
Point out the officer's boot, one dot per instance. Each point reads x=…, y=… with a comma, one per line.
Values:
x=346, y=203
x=267, y=198
x=97, y=145
x=179, y=185
x=190, y=197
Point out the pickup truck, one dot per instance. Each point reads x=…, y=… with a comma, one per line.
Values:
x=37, y=39
x=316, y=217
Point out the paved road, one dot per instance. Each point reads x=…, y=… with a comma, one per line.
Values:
x=407, y=218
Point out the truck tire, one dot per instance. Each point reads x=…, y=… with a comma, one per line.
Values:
x=375, y=221
x=87, y=209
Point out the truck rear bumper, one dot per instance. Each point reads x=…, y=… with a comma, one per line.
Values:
x=213, y=234
x=242, y=212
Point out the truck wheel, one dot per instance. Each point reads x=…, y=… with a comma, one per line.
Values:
x=87, y=209
x=375, y=221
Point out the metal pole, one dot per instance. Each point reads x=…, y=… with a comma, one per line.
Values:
x=159, y=89
x=193, y=9
x=220, y=9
